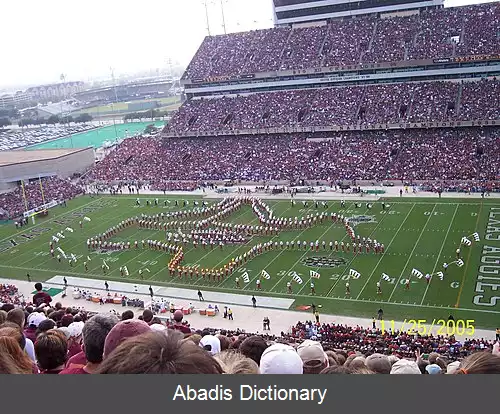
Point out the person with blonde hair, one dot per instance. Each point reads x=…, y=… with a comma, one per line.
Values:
x=480, y=363
x=235, y=363
x=13, y=359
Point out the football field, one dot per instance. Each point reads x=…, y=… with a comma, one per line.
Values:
x=418, y=234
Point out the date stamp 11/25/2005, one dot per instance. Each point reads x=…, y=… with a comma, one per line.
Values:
x=435, y=327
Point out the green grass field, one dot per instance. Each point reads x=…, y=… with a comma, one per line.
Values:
x=417, y=233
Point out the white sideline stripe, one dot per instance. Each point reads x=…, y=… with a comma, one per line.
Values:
x=172, y=292
x=54, y=282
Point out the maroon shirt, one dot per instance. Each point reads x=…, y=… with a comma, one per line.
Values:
x=74, y=370
x=30, y=333
x=183, y=328
x=74, y=349
x=41, y=297
x=78, y=360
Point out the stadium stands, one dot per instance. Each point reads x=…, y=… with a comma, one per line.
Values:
x=53, y=189
x=309, y=348
x=434, y=34
x=449, y=155
x=370, y=104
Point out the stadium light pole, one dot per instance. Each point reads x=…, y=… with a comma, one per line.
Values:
x=206, y=16
x=223, y=17
x=116, y=101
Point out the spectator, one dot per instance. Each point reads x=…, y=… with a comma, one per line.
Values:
x=253, y=347
x=34, y=320
x=94, y=336
x=51, y=350
x=128, y=314
x=480, y=363
x=41, y=297
x=13, y=360
x=178, y=325
x=379, y=364
x=405, y=366
x=236, y=363
x=313, y=357
x=280, y=359
x=159, y=353
x=211, y=344
x=122, y=331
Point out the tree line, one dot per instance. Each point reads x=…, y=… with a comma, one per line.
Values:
x=149, y=114
x=55, y=119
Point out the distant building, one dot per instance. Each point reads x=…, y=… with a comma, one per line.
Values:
x=18, y=100
x=55, y=92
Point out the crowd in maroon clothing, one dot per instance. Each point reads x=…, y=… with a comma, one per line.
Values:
x=433, y=34
x=347, y=105
x=410, y=155
x=54, y=188
x=70, y=341
x=374, y=340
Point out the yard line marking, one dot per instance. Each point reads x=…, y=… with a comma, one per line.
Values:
x=413, y=251
x=307, y=251
x=95, y=224
x=52, y=219
x=388, y=246
x=440, y=252
x=468, y=260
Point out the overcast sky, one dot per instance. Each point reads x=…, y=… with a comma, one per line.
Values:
x=83, y=40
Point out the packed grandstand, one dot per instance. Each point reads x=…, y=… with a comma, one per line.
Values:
x=38, y=336
x=293, y=123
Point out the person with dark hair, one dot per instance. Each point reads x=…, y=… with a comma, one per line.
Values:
x=45, y=326
x=159, y=353
x=94, y=336
x=253, y=347
x=178, y=325
x=254, y=302
x=13, y=360
x=147, y=316
x=200, y=296
x=128, y=314
x=51, y=348
x=41, y=297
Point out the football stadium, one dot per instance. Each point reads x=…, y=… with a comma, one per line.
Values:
x=329, y=190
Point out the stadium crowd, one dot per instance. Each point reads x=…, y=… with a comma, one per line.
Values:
x=433, y=34
x=18, y=138
x=12, y=203
x=348, y=105
x=37, y=337
x=449, y=155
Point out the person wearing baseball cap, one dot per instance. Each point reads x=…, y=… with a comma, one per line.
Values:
x=122, y=331
x=280, y=359
x=313, y=357
x=210, y=344
x=405, y=366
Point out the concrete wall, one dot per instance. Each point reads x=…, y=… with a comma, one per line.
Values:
x=63, y=167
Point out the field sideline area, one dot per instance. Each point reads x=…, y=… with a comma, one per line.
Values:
x=418, y=233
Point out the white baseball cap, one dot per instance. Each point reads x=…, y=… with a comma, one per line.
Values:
x=280, y=359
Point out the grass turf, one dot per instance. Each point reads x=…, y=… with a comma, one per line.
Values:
x=417, y=233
